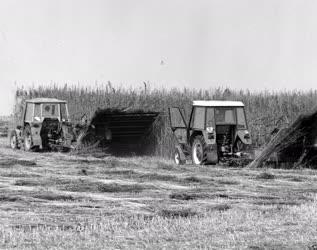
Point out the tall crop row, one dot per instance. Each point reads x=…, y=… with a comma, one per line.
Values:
x=265, y=110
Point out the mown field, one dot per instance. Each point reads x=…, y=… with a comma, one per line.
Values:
x=265, y=110
x=66, y=201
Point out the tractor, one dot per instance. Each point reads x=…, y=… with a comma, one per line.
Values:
x=216, y=131
x=44, y=124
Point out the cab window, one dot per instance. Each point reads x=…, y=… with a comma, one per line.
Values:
x=210, y=117
x=242, y=124
x=199, y=118
x=37, y=110
x=63, y=111
x=50, y=110
x=29, y=112
x=225, y=116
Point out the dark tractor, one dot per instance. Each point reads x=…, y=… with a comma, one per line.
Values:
x=44, y=124
x=216, y=130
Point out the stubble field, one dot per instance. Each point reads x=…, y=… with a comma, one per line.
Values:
x=65, y=201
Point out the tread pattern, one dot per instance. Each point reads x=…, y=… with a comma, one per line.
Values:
x=204, y=148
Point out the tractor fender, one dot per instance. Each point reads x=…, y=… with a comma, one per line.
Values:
x=244, y=136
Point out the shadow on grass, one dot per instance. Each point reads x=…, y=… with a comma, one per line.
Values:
x=7, y=198
x=98, y=187
x=174, y=213
x=11, y=162
x=54, y=197
x=265, y=176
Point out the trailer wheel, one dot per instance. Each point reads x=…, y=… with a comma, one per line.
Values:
x=14, y=140
x=27, y=136
x=199, y=152
x=177, y=158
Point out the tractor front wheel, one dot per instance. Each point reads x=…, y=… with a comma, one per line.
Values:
x=14, y=144
x=199, y=152
x=177, y=158
x=28, y=142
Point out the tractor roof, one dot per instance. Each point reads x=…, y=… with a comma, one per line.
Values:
x=45, y=100
x=218, y=103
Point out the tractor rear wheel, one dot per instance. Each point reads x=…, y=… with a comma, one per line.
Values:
x=199, y=151
x=14, y=144
x=28, y=141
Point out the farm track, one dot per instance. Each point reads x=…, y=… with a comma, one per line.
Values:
x=63, y=201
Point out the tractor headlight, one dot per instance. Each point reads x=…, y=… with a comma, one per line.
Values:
x=247, y=135
x=210, y=130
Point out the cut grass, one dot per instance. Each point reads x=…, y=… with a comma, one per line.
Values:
x=123, y=203
x=265, y=176
x=177, y=212
x=10, y=162
x=54, y=197
x=99, y=187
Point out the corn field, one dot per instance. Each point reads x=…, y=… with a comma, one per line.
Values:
x=265, y=110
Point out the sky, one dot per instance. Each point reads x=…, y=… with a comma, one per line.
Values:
x=241, y=44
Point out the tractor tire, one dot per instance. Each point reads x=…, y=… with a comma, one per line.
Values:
x=199, y=151
x=177, y=158
x=14, y=144
x=27, y=139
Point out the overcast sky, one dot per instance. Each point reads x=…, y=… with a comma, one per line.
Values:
x=267, y=44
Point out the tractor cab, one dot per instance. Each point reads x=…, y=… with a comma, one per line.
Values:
x=44, y=123
x=215, y=130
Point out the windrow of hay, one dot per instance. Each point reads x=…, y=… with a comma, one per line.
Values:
x=292, y=143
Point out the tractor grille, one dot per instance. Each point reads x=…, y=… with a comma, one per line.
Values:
x=224, y=135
